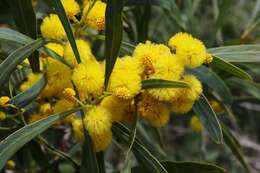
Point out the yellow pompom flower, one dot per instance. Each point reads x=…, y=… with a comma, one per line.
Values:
x=10, y=164
x=68, y=94
x=57, y=48
x=4, y=100
x=166, y=68
x=89, y=79
x=64, y=105
x=2, y=116
x=71, y=7
x=155, y=112
x=216, y=106
x=120, y=110
x=125, y=80
x=196, y=124
x=98, y=123
x=78, y=130
x=189, y=50
x=195, y=89
x=182, y=105
x=51, y=27
x=46, y=109
x=148, y=53
x=95, y=17
x=84, y=52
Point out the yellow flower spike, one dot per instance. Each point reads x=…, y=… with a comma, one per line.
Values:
x=155, y=112
x=68, y=94
x=95, y=17
x=89, y=79
x=125, y=80
x=84, y=51
x=2, y=116
x=121, y=110
x=71, y=7
x=4, y=100
x=78, y=130
x=189, y=50
x=98, y=123
x=51, y=27
x=10, y=164
x=196, y=124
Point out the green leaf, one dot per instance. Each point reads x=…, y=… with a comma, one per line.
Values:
x=249, y=87
x=114, y=33
x=16, y=37
x=159, y=83
x=25, y=21
x=15, y=58
x=19, y=138
x=214, y=82
x=148, y=161
x=208, y=118
x=66, y=24
x=25, y=98
x=239, y=53
x=186, y=167
x=89, y=161
x=234, y=146
x=230, y=68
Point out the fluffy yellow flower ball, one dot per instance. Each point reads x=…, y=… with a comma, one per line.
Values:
x=84, y=52
x=2, y=116
x=10, y=164
x=125, y=80
x=64, y=105
x=166, y=68
x=195, y=89
x=95, y=17
x=78, y=130
x=71, y=7
x=88, y=78
x=182, y=106
x=51, y=27
x=189, y=50
x=57, y=48
x=148, y=53
x=196, y=124
x=98, y=123
x=216, y=106
x=4, y=100
x=121, y=110
x=155, y=112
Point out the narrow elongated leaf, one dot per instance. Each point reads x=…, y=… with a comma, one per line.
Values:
x=15, y=58
x=148, y=161
x=186, y=167
x=24, y=98
x=238, y=53
x=10, y=35
x=234, y=146
x=89, y=161
x=159, y=83
x=208, y=118
x=114, y=33
x=66, y=25
x=249, y=87
x=25, y=21
x=211, y=79
x=18, y=139
x=230, y=68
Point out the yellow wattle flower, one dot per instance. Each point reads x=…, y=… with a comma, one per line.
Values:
x=155, y=112
x=120, y=110
x=57, y=48
x=71, y=7
x=4, y=100
x=2, y=116
x=216, y=106
x=84, y=52
x=196, y=124
x=64, y=105
x=78, y=130
x=189, y=50
x=88, y=78
x=181, y=106
x=10, y=164
x=195, y=89
x=98, y=124
x=69, y=94
x=51, y=27
x=95, y=17
x=125, y=80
